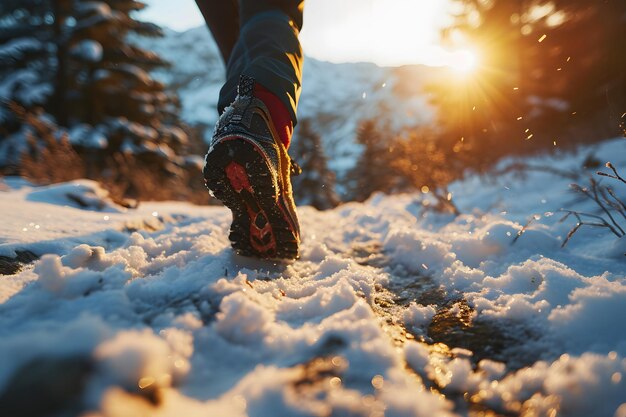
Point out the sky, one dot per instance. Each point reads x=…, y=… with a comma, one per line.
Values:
x=386, y=32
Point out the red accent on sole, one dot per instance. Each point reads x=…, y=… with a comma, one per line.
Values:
x=238, y=178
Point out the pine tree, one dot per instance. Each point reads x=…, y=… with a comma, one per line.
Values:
x=374, y=170
x=74, y=59
x=315, y=186
x=26, y=67
x=26, y=40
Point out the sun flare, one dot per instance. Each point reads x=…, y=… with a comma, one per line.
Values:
x=387, y=32
x=463, y=61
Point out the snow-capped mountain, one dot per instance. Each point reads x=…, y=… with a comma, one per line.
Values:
x=334, y=96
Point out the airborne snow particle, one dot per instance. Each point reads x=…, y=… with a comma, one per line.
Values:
x=378, y=382
x=145, y=382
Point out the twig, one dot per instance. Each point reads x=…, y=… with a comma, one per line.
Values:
x=594, y=187
x=612, y=200
x=606, y=199
x=581, y=222
x=522, y=231
x=571, y=233
x=612, y=168
x=620, y=206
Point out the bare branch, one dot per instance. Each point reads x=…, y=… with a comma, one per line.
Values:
x=571, y=233
x=603, y=222
x=616, y=175
x=568, y=213
x=606, y=199
x=594, y=188
x=523, y=230
x=619, y=204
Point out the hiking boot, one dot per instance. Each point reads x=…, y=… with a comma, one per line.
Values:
x=248, y=169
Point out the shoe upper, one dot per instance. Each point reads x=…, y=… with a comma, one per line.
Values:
x=249, y=118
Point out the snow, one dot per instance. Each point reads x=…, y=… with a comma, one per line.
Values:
x=80, y=193
x=88, y=50
x=93, y=7
x=418, y=316
x=17, y=49
x=26, y=86
x=174, y=323
x=140, y=75
x=87, y=136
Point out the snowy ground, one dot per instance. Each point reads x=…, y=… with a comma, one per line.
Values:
x=392, y=310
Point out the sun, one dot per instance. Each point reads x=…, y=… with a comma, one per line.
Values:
x=463, y=61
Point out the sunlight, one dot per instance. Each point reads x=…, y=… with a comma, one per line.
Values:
x=387, y=32
x=463, y=61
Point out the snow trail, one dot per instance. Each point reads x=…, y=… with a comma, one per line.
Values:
x=391, y=310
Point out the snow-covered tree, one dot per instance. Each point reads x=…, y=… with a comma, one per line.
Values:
x=75, y=60
x=315, y=186
x=110, y=87
x=26, y=42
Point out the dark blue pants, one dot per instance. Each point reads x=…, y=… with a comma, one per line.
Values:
x=258, y=38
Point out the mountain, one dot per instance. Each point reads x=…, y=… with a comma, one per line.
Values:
x=335, y=97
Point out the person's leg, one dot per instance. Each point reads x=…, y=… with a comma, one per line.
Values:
x=222, y=18
x=267, y=50
x=247, y=166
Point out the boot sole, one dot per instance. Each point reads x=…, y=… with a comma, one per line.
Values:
x=237, y=173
